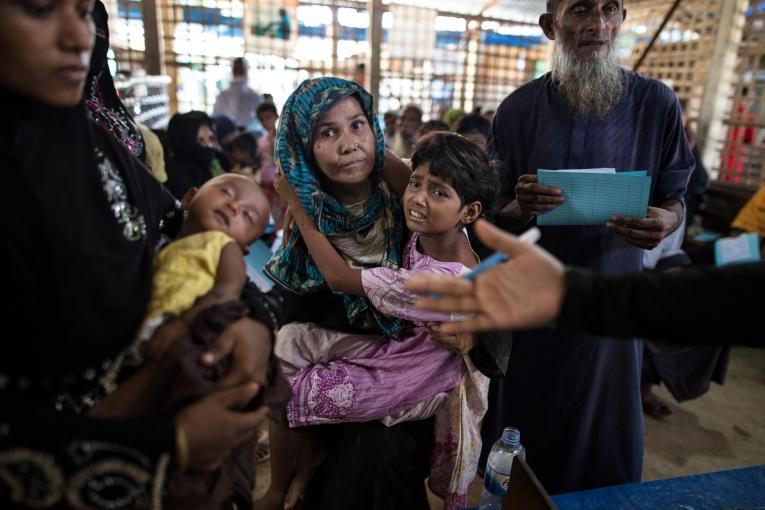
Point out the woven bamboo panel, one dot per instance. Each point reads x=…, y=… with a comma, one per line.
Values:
x=441, y=60
x=681, y=55
x=126, y=33
x=504, y=67
x=200, y=38
x=742, y=158
x=433, y=58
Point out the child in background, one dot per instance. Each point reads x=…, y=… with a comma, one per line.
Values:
x=244, y=155
x=475, y=128
x=268, y=116
x=342, y=377
x=430, y=126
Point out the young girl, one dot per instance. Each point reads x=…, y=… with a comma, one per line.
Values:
x=342, y=377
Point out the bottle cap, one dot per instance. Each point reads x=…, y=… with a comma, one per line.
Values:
x=511, y=436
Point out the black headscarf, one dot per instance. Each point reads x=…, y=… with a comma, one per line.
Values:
x=189, y=163
x=224, y=127
x=104, y=106
x=79, y=220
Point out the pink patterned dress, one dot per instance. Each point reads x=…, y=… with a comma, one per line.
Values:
x=347, y=377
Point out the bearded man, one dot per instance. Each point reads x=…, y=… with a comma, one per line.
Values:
x=574, y=397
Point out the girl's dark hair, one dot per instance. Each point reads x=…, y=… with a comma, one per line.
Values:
x=247, y=143
x=266, y=107
x=474, y=123
x=462, y=163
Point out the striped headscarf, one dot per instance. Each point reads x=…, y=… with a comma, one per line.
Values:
x=292, y=265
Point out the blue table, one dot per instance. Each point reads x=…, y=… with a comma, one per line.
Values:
x=739, y=489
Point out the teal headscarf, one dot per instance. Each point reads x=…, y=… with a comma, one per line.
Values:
x=292, y=266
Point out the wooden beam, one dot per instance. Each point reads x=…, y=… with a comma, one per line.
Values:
x=169, y=14
x=154, y=61
x=374, y=38
x=656, y=35
x=335, y=35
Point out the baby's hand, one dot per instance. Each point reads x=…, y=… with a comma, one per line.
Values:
x=163, y=336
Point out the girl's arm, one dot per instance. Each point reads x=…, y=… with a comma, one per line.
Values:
x=333, y=267
x=386, y=290
x=230, y=278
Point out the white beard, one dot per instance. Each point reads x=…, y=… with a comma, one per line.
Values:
x=592, y=87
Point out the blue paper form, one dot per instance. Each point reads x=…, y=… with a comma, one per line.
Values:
x=256, y=261
x=593, y=198
x=737, y=250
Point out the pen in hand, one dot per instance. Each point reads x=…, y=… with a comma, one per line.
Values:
x=531, y=236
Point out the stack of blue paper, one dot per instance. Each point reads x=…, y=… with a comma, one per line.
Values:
x=594, y=195
x=737, y=250
x=256, y=260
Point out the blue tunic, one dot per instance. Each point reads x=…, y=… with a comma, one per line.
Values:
x=575, y=397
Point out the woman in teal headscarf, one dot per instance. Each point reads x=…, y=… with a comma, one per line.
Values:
x=331, y=150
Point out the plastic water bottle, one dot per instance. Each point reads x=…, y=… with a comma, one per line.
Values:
x=496, y=478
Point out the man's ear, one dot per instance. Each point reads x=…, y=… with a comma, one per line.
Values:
x=187, y=198
x=472, y=212
x=546, y=22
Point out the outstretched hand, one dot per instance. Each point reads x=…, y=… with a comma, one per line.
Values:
x=524, y=292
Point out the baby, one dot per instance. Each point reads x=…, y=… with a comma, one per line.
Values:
x=198, y=279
